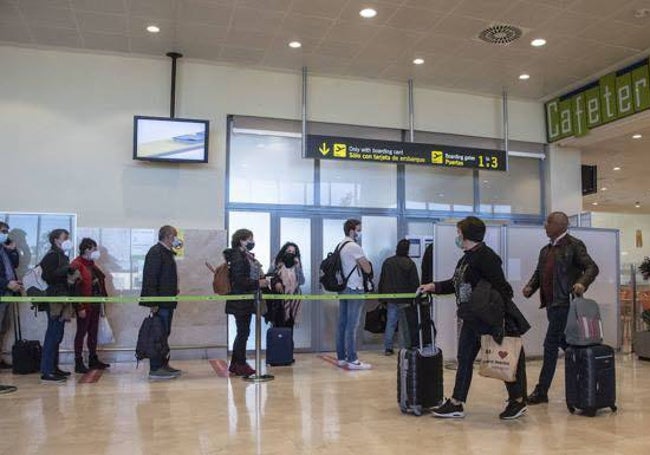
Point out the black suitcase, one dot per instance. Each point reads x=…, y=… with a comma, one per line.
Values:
x=279, y=346
x=419, y=370
x=25, y=354
x=590, y=379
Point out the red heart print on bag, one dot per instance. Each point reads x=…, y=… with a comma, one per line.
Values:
x=503, y=354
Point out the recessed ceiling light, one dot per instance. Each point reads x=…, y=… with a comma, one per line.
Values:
x=603, y=188
x=368, y=13
x=617, y=168
x=418, y=61
x=637, y=136
x=295, y=44
x=524, y=77
x=594, y=203
x=538, y=42
x=153, y=29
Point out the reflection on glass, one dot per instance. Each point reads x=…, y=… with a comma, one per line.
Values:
x=448, y=190
x=357, y=184
x=30, y=232
x=517, y=191
x=269, y=170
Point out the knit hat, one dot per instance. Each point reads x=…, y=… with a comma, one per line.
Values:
x=472, y=228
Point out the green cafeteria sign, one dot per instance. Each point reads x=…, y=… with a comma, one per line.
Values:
x=610, y=98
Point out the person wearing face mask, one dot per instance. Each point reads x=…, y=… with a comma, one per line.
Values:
x=9, y=284
x=480, y=264
x=354, y=264
x=61, y=279
x=91, y=284
x=160, y=279
x=288, y=277
x=246, y=277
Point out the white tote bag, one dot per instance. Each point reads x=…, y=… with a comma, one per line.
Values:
x=499, y=361
x=104, y=332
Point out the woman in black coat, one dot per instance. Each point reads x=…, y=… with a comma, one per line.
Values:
x=481, y=264
x=246, y=277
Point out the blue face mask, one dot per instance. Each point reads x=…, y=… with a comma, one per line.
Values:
x=357, y=237
x=3, y=237
x=459, y=242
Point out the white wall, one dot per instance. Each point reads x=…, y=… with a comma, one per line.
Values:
x=66, y=128
x=563, y=180
x=627, y=224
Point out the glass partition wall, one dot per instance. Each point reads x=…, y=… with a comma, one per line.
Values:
x=283, y=197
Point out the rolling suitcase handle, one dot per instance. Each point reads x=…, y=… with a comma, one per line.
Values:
x=18, y=333
x=419, y=298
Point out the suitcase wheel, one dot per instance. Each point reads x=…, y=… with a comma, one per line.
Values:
x=589, y=412
x=614, y=408
x=571, y=409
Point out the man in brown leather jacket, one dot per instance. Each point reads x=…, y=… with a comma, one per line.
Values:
x=564, y=268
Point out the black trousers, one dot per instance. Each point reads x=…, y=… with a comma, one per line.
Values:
x=243, y=331
x=469, y=345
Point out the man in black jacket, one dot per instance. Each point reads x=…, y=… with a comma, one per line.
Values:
x=564, y=267
x=160, y=278
x=399, y=274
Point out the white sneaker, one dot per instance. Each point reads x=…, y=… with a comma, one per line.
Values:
x=341, y=363
x=358, y=365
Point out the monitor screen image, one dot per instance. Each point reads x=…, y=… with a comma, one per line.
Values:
x=170, y=139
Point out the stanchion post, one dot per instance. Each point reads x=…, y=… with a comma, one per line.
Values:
x=258, y=376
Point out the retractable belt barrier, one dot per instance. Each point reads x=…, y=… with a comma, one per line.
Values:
x=206, y=298
x=258, y=377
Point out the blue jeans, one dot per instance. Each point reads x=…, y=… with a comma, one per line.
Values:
x=167, y=315
x=53, y=338
x=346, y=333
x=554, y=341
x=392, y=317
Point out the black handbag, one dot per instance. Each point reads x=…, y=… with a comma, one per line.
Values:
x=376, y=319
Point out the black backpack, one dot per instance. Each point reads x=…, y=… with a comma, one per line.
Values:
x=152, y=339
x=331, y=271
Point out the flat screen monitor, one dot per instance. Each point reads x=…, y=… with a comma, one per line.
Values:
x=177, y=140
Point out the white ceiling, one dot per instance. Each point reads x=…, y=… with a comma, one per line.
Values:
x=627, y=186
x=584, y=36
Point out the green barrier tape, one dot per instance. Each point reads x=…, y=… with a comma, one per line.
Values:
x=205, y=298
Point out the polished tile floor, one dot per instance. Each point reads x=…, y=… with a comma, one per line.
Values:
x=310, y=408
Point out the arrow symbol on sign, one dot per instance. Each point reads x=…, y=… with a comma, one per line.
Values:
x=324, y=149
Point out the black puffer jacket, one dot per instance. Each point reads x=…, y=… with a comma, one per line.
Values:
x=399, y=274
x=240, y=282
x=481, y=263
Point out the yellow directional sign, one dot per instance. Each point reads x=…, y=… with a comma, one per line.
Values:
x=340, y=150
x=324, y=149
x=437, y=157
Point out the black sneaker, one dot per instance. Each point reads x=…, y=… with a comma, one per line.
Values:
x=7, y=389
x=449, y=410
x=60, y=372
x=169, y=368
x=389, y=352
x=53, y=379
x=537, y=397
x=513, y=410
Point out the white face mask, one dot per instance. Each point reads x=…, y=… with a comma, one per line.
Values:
x=67, y=245
x=177, y=243
x=94, y=255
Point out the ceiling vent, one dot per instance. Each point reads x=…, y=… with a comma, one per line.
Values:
x=500, y=34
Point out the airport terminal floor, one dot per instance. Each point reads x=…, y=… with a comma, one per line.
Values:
x=311, y=407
